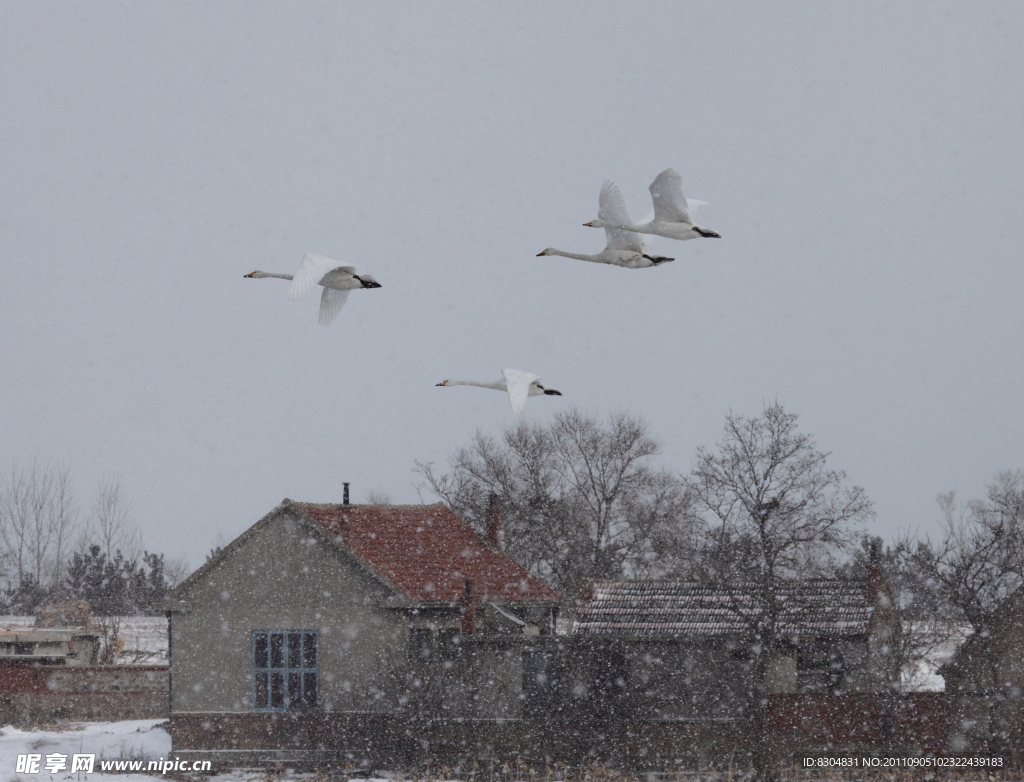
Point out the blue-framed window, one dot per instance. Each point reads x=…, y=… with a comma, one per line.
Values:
x=285, y=669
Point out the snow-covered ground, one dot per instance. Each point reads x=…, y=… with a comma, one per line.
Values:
x=145, y=637
x=128, y=740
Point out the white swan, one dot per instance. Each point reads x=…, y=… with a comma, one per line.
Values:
x=625, y=248
x=671, y=215
x=517, y=384
x=320, y=270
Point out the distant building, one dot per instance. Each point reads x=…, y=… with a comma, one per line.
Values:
x=324, y=629
x=50, y=646
x=676, y=657
x=672, y=644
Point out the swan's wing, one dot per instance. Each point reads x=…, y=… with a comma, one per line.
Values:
x=331, y=302
x=518, y=387
x=612, y=209
x=669, y=201
x=313, y=268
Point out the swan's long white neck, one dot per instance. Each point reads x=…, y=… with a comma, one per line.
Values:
x=577, y=256
x=272, y=274
x=639, y=229
x=497, y=385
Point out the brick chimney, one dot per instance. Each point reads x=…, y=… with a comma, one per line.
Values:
x=468, y=610
x=492, y=537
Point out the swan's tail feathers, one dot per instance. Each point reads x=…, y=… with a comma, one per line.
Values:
x=553, y=392
x=331, y=302
x=658, y=259
x=707, y=233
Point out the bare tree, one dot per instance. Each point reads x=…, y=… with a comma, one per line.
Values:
x=977, y=561
x=580, y=500
x=38, y=514
x=375, y=497
x=961, y=577
x=175, y=571
x=773, y=514
x=112, y=525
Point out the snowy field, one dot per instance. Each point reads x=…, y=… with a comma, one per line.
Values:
x=145, y=637
x=110, y=741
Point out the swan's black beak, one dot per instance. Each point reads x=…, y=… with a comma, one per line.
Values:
x=540, y=254
x=439, y=384
x=247, y=275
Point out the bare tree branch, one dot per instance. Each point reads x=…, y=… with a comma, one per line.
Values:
x=579, y=498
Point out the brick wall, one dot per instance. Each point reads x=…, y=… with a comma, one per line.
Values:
x=32, y=693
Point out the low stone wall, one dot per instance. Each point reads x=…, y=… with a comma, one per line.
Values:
x=32, y=693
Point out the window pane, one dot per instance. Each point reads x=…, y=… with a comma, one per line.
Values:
x=277, y=690
x=309, y=690
x=277, y=650
x=260, y=651
x=261, y=690
x=294, y=691
x=294, y=650
x=309, y=650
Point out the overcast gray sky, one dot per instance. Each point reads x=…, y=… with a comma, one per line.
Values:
x=864, y=167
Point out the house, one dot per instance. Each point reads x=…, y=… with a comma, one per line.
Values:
x=675, y=658
x=345, y=633
x=985, y=685
x=838, y=636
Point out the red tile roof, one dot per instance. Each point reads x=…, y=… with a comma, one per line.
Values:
x=427, y=552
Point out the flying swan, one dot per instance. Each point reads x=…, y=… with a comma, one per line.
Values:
x=625, y=248
x=671, y=215
x=517, y=384
x=320, y=270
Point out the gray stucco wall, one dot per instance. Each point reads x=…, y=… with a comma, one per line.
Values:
x=287, y=577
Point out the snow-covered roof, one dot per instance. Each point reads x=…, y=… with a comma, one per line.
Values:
x=673, y=608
